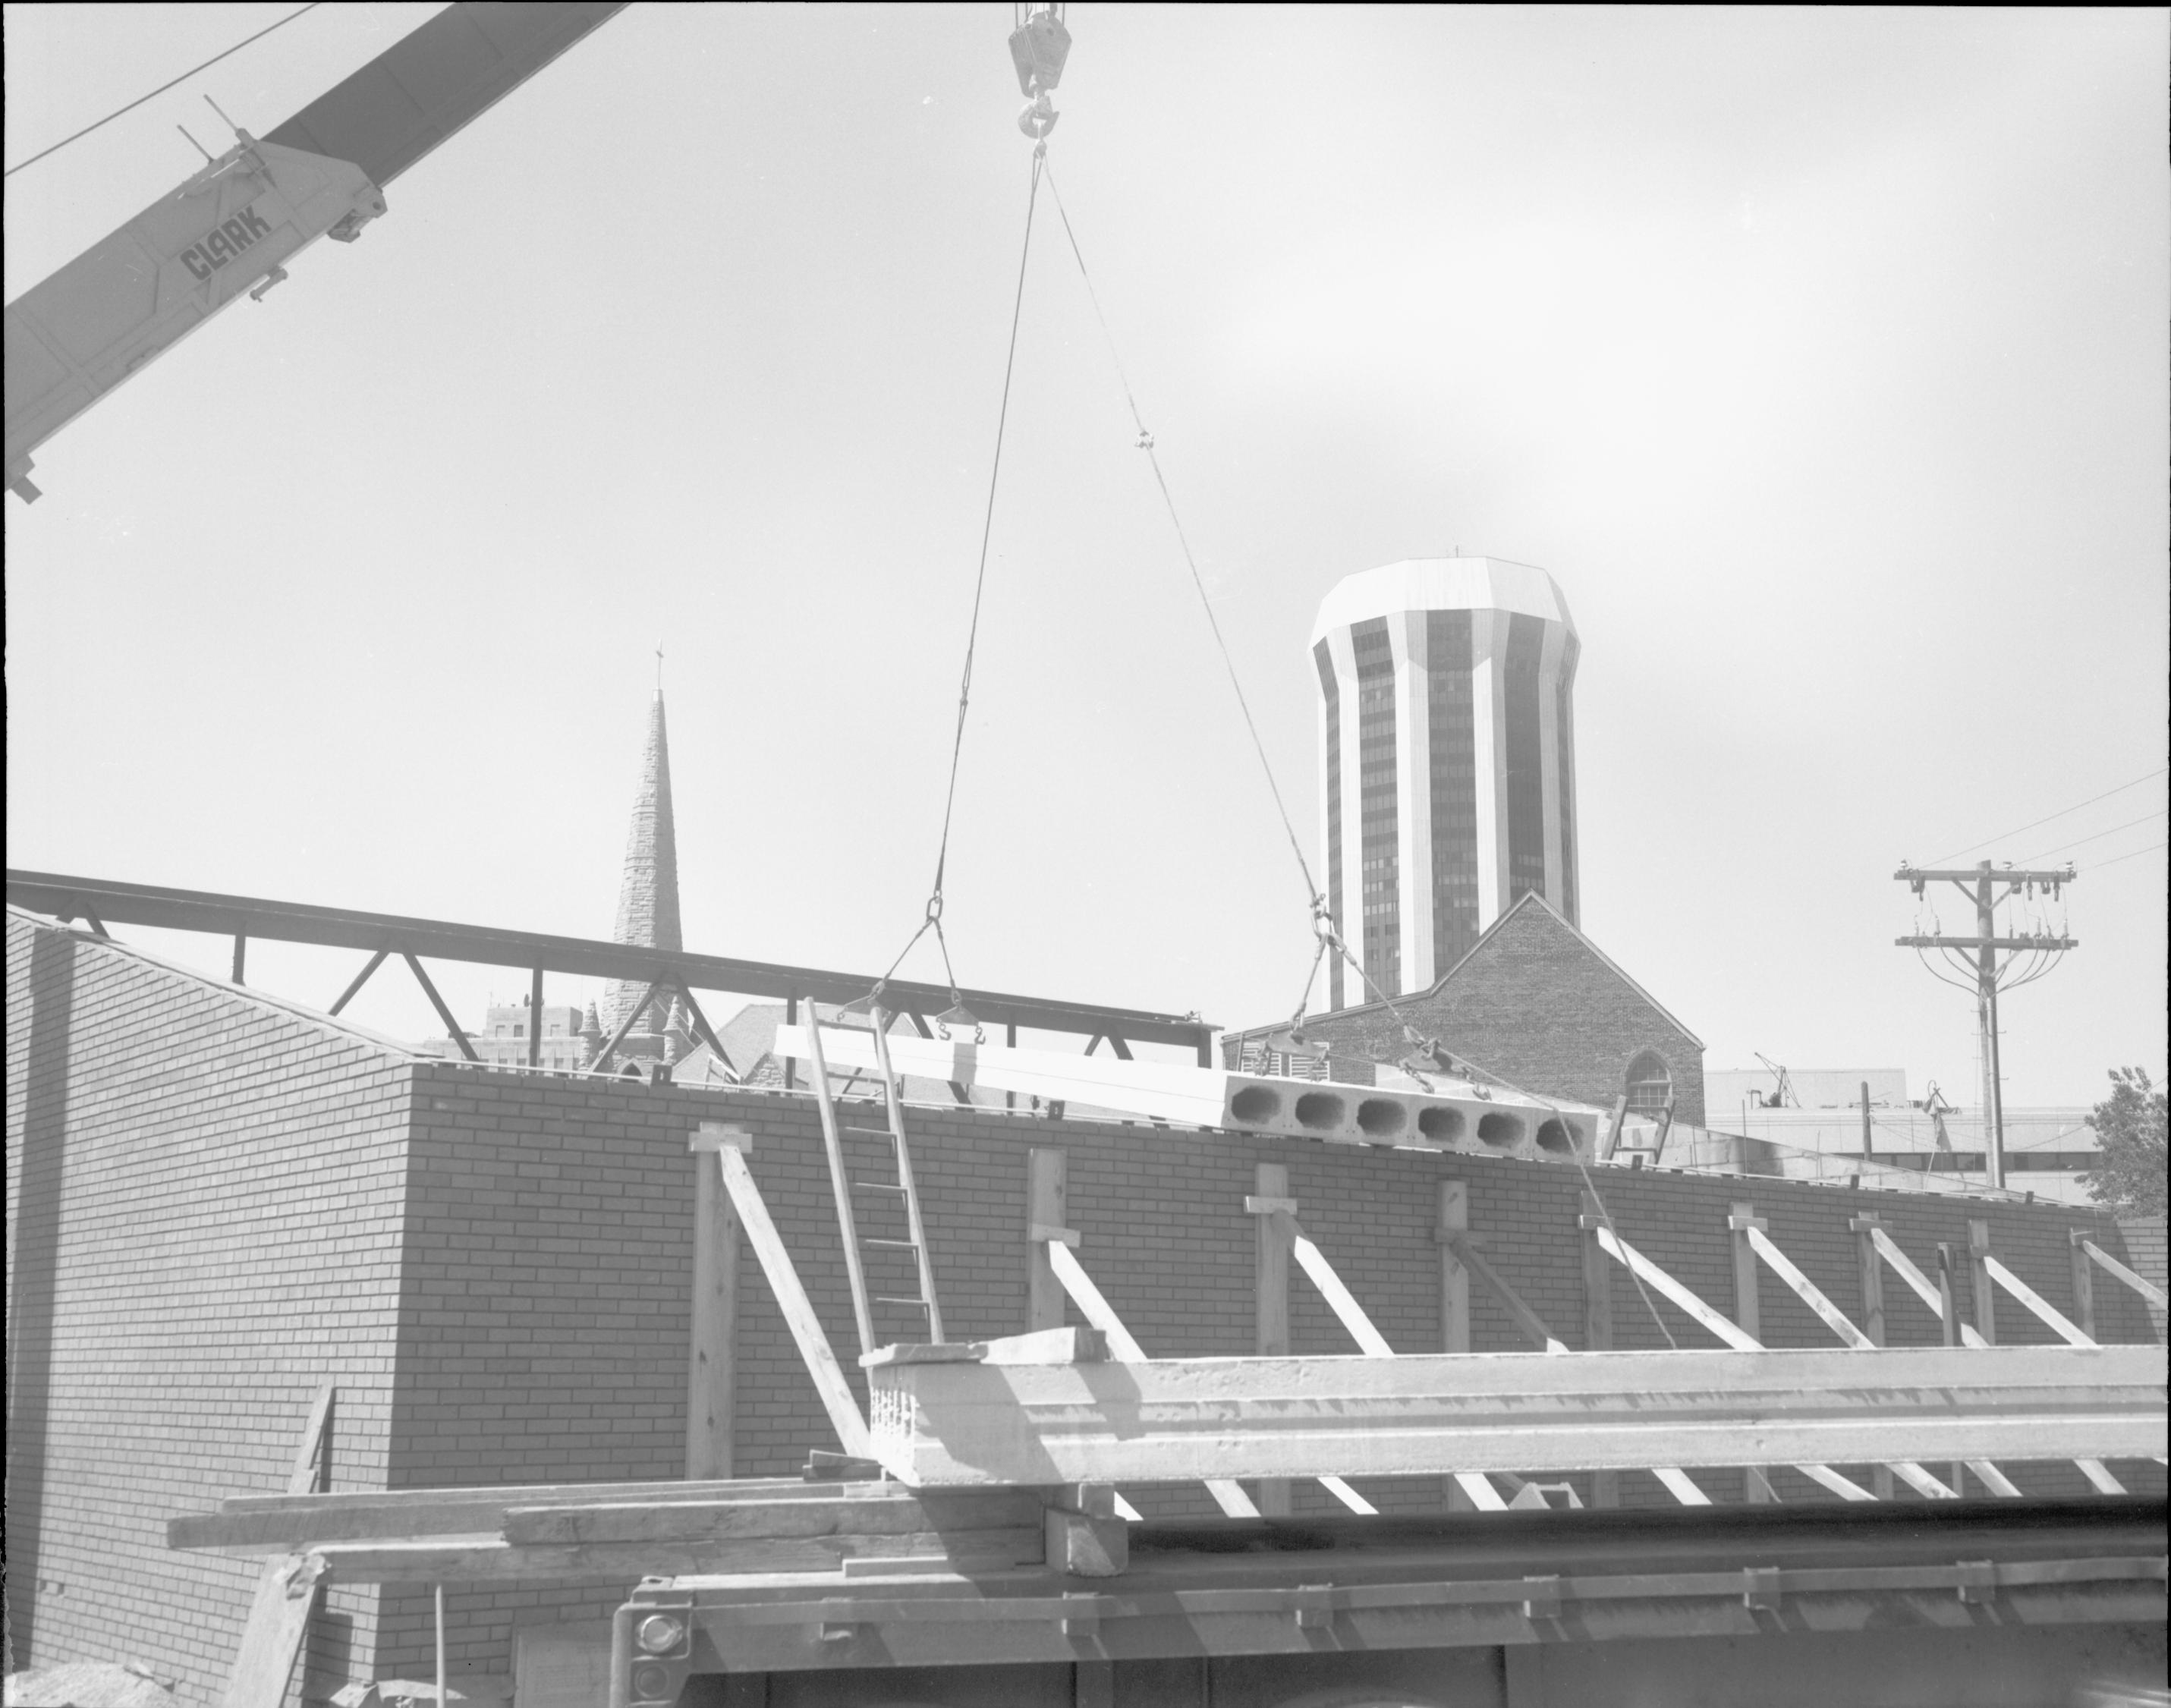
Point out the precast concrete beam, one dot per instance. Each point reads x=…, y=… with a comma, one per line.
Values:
x=1184, y=1420
x=1453, y=1115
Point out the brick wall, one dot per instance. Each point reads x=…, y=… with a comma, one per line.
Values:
x=2147, y=1257
x=205, y=1194
x=1535, y=1004
x=214, y=1202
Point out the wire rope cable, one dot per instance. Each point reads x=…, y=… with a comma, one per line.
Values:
x=158, y=91
x=1145, y=443
x=933, y=919
x=1323, y=925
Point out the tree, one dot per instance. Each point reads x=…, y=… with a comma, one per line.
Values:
x=2129, y=1128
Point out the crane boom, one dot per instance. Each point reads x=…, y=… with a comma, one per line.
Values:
x=229, y=229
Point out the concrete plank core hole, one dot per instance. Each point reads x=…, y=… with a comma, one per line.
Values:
x=1377, y=1117
x=1557, y=1136
x=1440, y=1124
x=1320, y=1110
x=1500, y=1128
x=1256, y=1103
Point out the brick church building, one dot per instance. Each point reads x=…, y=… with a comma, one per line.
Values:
x=1534, y=1003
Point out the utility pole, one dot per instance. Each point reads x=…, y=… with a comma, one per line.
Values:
x=1980, y=884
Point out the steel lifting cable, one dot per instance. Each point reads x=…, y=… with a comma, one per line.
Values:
x=933, y=919
x=1323, y=926
x=1145, y=443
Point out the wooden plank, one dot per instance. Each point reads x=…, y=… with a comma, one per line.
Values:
x=271, y=1639
x=1047, y=1203
x=1869, y=1277
x=1808, y=1291
x=1189, y=1420
x=492, y=1560
x=288, y=1523
x=1452, y=1227
x=1813, y=1296
x=1526, y=1320
x=1597, y=1315
x=791, y=1300
x=841, y=1186
x=1271, y=1244
x=1453, y=1274
x=1339, y=1299
x=889, y=1514
x=1341, y=1490
x=286, y=1597
x=2084, y=1282
x=1984, y=1291
x=1478, y=1490
x=1678, y=1483
x=1226, y=1493
x=2140, y=1284
x=1758, y=1489
x=713, y=1336
x=2060, y=1323
x=1922, y=1286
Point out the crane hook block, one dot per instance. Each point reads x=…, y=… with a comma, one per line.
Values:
x=1039, y=47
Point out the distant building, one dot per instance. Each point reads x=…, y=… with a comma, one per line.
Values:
x=503, y=1039
x=1447, y=761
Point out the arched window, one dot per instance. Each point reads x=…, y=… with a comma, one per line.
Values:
x=1649, y=1083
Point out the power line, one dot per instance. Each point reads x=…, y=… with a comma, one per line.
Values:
x=2115, y=859
x=160, y=90
x=2061, y=813
x=2114, y=829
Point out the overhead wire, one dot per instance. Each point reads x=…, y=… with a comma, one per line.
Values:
x=2135, y=854
x=158, y=91
x=2079, y=842
x=2061, y=813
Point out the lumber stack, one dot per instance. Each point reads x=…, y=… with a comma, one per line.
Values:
x=579, y=1532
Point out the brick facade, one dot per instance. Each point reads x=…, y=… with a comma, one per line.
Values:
x=215, y=1202
x=206, y=1196
x=1536, y=1004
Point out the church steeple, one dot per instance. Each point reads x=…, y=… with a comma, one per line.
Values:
x=648, y=893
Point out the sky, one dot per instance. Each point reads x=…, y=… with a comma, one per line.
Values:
x=1819, y=354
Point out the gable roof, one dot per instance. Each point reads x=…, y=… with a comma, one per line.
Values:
x=1528, y=898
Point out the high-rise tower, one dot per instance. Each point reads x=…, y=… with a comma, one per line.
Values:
x=648, y=894
x=1447, y=758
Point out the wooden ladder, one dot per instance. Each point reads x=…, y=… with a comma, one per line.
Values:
x=925, y=1313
